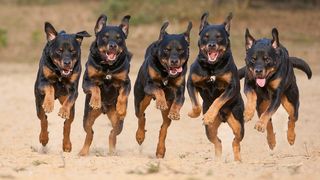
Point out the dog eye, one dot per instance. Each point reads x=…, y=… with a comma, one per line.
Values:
x=59, y=51
x=253, y=59
x=166, y=50
x=180, y=51
x=206, y=36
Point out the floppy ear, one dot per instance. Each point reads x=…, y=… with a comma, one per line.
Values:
x=204, y=21
x=50, y=31
x=249, y=39
x=187, y=33
x=163, y=30
x=101, y=22
x=125, y=25
x=81, y=35
x=275, y=41
x=227, y=22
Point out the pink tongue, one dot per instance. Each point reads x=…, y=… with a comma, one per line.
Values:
x=261, y=82
x=111, y=56
x=179, y=69
x=213, y=55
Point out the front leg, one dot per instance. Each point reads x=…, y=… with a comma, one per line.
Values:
x=68, y=103
x=174, y=113
x=193, y=94
x=90, y=87
x=251, y=101
x=155, y=90
x=122, y=100
x=48, y=102
x=272, y=108
x=233, y=87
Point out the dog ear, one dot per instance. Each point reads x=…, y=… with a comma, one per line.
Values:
x=81, y=35
x=101, y=22
x=204, y=21
x=50, y=31
x=249, y=39
x=187, y=33
x=275, y=41
x=227, y=22
x=163, y=31
x=125, y=25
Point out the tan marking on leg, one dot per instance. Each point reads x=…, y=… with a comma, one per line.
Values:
x=271, y=135
x=48, y=102
x=44, y=134
x=140, y=134
x=161, y=148
x=121, y=105
x=64, y=111
x=291, y=135
x=116, y=129
x=161, y=102
x=250, y=106
x=92, y=116
x=212, y=130
x=263, y=115
x=174, y=113
x=236, y=128
x=95, y=101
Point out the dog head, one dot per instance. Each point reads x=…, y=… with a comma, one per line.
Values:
x=172, y=50
x=214, y=39
x=262, y=57
x=64, y=49
x=110, y=40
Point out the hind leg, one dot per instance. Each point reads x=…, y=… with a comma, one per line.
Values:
x=212, y=135
x=140, y=106
x=290, y=103
x=161, y=148
x=90, y=115
x=237, y=130
x=117, y=125
x=44, y=134
x=271, y=136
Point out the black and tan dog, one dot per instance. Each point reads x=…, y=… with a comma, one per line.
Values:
x=214, y=75
x=269, y=82
x=162, y=77
x=58, y=77
x=106, y=79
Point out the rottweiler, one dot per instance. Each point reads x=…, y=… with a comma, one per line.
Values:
x=162, y=77
x=269, y=82
x=215, y=76
x=58, y=78
x=106, y=81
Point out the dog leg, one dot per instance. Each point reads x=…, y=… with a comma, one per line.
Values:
x=161, y=148
x=95, y=101
x=48, y=102
x=140, y=134
x=251, y=105
x=117, y=125
x=271, y=135
x=236, y=128
x=122, y=101
x=88, y=120
x=212, y=135
x=194, y=97
x=292, y=111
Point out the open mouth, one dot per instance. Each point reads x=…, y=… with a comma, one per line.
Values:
x=111, y=55
x=261, y=82
x=175, y=70
x=213, y=55
x=66, y=72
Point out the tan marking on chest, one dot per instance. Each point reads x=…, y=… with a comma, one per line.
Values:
x=274, y=84
x=153, y=73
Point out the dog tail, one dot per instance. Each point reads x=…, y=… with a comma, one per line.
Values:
x=301, y=65
x=242, y=72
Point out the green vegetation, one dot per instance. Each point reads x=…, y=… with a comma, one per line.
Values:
x=3, y=38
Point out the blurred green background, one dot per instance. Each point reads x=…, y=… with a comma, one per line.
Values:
x=22, y=37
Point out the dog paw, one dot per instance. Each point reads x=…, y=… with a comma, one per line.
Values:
x=195, y=112
x=83, y=152
x=291, y=137
x=247, y=116
x=64, y=113
x=121, y=111
x=95, y=102
x=48, y=106
x=173, y=115
x=140, y=135
x=260, y=126
x=208, y=118
x=44, y=138
x=271, y=141
x=67, y=146
x=162, y=105
x=160, y=152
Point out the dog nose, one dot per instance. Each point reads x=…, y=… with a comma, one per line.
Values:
x=174, y=61
x=112, y=45
x=67, y=63
x=258, y=70
x=211, y=45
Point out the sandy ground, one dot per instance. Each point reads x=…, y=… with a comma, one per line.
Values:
x=189, y=154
